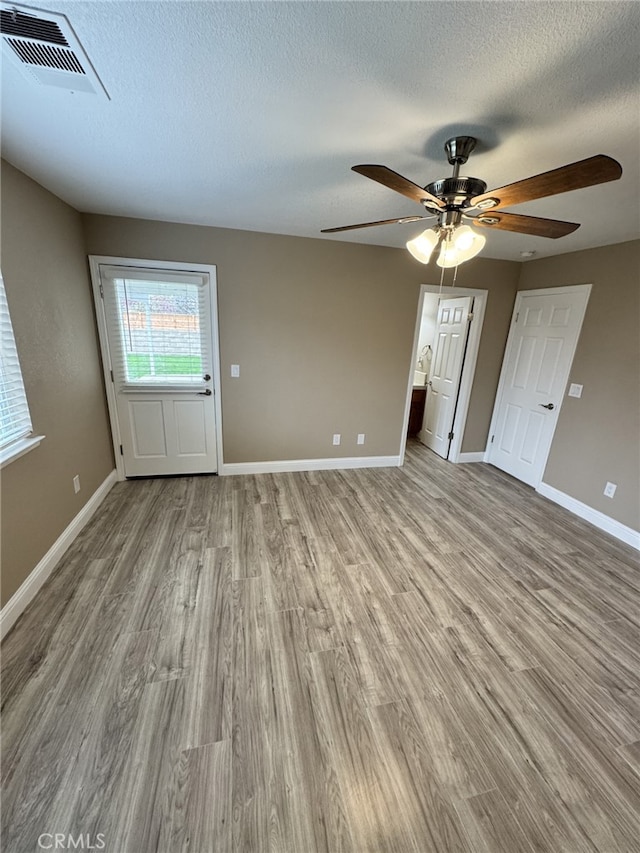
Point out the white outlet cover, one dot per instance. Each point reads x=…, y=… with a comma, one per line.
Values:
x=610, y=489
x=575, y=390
x=336, y=438
x=360, y=438
x=235, y=370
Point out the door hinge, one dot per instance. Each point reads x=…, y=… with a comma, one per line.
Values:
x=492, y=437
x=450, y=436
x=517, y=315
x=470, y=316
x=121, y=451
x=101, y=292
x=111, y=374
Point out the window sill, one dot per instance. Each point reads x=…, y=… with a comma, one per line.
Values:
x=18, y=448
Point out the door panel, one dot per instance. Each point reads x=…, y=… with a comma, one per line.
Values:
x=524, y=361
x=551, y=353
x=510, y=429
x=189, y=418
x=532, y=435
x=147, y=432
x=536, y=367
x=446, y=370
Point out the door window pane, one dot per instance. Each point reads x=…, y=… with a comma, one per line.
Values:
x=161, y=332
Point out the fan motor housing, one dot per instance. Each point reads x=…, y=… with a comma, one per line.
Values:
x=456, y=190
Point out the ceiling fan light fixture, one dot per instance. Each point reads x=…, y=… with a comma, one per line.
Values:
x=462, y=245
x=423, y=245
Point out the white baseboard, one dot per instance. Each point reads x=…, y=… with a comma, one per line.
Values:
x=31, y=586
x=593, y=516
x=333, y=464
x=476, y=456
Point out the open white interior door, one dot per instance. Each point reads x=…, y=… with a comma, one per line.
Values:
x=452, y=329
x=159, y=332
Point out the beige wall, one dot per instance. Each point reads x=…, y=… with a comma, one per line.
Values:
x=597, y=438
x=322, y=330
x=45, y=274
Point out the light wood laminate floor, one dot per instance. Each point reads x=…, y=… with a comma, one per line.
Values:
x=431, y=659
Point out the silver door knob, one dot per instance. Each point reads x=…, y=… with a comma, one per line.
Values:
x=547, y=405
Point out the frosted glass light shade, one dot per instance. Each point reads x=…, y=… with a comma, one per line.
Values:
x=463, y=245
x=423, y=245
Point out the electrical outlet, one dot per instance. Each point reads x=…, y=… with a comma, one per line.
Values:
x=360, y=438
x=235, y=370
x=336, y=438
x=610, y=489
x=575, y=390
x=76, y=483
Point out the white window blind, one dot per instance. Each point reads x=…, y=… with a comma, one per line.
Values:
x=15, y=420
x=160, y=326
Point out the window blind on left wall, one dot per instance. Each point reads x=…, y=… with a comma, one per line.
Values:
x=15, y=420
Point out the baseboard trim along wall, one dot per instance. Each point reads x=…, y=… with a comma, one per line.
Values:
x=477, y=456
x=31, y=586
x=283, y=466
x=593, y=516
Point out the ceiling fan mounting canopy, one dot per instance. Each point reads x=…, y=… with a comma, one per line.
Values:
x=459, y=148
x=451, y=199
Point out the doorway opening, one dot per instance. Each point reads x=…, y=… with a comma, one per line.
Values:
x=444, y=355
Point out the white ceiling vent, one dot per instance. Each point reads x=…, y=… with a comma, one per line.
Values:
x=46, y=50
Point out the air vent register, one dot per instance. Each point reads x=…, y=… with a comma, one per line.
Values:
x=46, y=50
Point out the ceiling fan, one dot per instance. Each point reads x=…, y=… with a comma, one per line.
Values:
x=456, y=199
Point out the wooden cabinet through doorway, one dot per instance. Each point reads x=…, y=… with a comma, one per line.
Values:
x=416, y=412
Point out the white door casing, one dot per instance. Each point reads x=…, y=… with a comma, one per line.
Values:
x=446, y=369
x=542, y=340
x=163, y=421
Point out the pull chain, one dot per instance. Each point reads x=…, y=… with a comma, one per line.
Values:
x=441, y=280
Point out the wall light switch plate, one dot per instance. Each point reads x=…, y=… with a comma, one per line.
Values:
x=360, y=438
x=336, y=438
x=76, y=483
x=575, y=390
x=235, y=370
x=610, y=489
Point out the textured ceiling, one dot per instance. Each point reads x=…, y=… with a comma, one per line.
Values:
x=249, y=115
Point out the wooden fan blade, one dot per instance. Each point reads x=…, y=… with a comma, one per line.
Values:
x=575, y=176
x=369, y=224
x=396, y=182
x=535, y=225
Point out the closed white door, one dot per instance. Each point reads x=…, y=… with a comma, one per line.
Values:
x=159, y=331
x=452, y=328
x=542, y=341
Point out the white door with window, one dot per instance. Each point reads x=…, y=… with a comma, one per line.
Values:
x=540, y=349
x=159, y=325
x=452, y=329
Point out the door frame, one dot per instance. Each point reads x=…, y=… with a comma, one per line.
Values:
x=468, y=367
x=95, y=261
x=543, y=291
